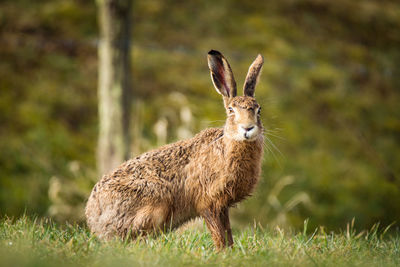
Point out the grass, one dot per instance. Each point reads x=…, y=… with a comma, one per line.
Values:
x=30, y=242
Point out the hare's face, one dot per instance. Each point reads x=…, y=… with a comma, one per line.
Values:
x=243, y=122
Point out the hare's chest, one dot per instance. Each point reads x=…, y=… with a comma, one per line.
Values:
x=240, y=186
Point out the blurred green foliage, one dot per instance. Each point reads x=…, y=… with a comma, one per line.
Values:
x=329, y=91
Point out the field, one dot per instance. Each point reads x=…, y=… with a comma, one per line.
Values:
x=41, y=242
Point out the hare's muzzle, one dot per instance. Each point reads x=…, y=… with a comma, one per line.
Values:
x=249, y=132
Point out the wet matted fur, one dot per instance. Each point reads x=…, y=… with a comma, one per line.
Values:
x=202, y=176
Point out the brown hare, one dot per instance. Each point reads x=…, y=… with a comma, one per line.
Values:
x=202, y=176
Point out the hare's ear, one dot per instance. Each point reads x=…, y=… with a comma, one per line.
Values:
x=252, y=76
x=221, y=74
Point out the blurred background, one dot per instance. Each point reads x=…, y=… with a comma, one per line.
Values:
x=329, y=91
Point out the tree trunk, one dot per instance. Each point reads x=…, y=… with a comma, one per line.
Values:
x=114, y=83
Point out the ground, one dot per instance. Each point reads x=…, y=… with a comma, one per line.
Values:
x=41, y=242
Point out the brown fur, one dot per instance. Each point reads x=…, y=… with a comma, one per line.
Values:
x=202, y=176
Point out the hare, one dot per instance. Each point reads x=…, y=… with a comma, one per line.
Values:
x=202, y=176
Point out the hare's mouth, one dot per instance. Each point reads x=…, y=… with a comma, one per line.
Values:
x=247, y=134
x=248, y=137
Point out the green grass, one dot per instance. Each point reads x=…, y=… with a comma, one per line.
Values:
x=27, y=242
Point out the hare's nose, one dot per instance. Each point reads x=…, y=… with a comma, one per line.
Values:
x=247, y=129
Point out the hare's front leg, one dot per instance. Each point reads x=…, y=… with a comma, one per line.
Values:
x=217, y=222
x=227, y=225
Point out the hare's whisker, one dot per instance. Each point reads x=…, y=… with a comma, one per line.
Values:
x=280, y=137
x=273, y=154
x=273, y=145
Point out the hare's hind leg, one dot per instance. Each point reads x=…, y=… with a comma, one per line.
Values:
x=127, y=208
x=151, y=218
x=149, y=211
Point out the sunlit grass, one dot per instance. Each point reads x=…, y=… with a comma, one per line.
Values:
x=27, y=242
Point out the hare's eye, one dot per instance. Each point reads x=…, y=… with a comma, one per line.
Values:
x=230, y=110
x=259, y=111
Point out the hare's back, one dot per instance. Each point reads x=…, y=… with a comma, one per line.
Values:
x=167, y=162
x=157, y=173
